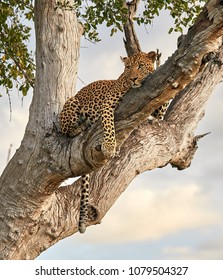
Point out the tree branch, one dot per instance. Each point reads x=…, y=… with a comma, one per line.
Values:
x=153, y=144
x=162, y=85
x=131, y=41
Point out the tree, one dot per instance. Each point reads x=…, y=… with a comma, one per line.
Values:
x=35, y=212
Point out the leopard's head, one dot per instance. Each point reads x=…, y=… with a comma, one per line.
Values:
x=138, y=67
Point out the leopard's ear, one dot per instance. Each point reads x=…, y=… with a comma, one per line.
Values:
x=152, y=55
x=124, y=59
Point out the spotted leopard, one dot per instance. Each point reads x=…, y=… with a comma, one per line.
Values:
x=160, y=112
x=98, y=100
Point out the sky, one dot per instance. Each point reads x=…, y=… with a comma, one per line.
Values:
x=164, y=213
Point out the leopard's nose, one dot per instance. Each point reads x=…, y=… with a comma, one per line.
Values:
x=133, y=79
x=135, y=82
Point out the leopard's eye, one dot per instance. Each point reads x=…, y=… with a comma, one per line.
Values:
x=140, y=66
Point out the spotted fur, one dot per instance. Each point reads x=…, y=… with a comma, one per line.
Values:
x=161, y=111
x=98, y=100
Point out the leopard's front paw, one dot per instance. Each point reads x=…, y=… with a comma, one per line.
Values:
x=108, y=149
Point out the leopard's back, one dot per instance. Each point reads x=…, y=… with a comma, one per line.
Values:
x=84, y=107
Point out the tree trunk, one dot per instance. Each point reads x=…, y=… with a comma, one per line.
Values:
x=35, y=212
x=29, y=180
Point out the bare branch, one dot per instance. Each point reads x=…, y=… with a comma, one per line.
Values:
x=154, y=144
x=131, y=41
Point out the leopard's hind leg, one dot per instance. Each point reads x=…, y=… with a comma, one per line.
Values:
x=84, y=203
x=70, y=118
x=161, y=111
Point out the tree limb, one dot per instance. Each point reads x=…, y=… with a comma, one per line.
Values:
x=153, y=144
x=131, y=41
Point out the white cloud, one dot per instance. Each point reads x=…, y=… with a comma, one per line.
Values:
x=208, y=250
x=149, y=214
x=101, y=67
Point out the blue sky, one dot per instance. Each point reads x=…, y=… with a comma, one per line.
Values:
x=165, y=213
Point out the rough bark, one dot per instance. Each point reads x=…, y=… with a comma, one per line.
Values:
x=34, y=212
x=131, y=41
x=28, y=180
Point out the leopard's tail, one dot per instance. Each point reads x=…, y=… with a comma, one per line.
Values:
x=84, y=203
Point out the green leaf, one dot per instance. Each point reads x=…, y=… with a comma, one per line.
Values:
x=16, y=60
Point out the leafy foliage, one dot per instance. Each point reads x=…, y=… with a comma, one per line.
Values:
x=16, y=60
x=92, y=13
x=183, y=12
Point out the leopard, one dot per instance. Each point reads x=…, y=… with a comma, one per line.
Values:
x=98, y=100
x=160, y=112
